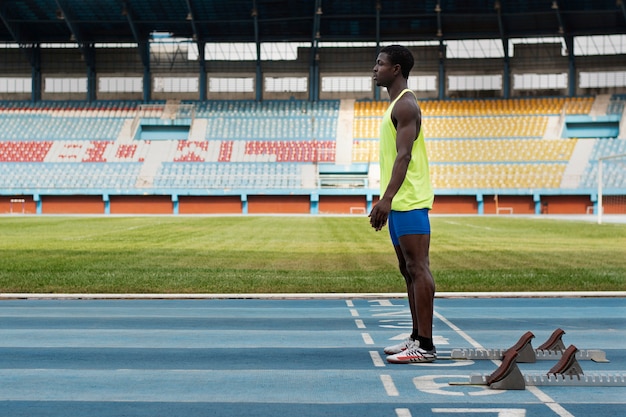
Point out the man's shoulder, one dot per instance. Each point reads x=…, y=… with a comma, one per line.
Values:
x=407, y=102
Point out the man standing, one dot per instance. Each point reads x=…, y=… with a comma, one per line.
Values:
x=406, y=196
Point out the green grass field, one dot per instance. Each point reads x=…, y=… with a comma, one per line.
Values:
x=281, y=254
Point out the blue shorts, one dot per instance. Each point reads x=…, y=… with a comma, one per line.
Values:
x=413, y=222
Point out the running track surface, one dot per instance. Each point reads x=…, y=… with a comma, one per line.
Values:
x=315, y=357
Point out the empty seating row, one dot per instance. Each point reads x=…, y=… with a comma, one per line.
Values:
x=291, y=128
x=290, y=151
x=269, y=108
x=465, y=127
x=497, y=175
x=502, y=150
x=181, y=151
x=105, y=108
x=68, y=176
x=490, y=107
x=607, y=147
x=480, y=150
x=229, y=175
x=255, y=151
x=194, y=151
x=73, y=151
x=18, y=151
x=613, y=175
x=617, y=103
x=47, y=127
x=613, y=169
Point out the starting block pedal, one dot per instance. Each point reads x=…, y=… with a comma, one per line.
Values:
x=552, y=349
x=567, y=372
x=508, y=375
x=568, y=365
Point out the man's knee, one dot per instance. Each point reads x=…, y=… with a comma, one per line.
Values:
x=418, y=270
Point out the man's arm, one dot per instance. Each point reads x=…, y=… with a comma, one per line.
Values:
x=408, y=120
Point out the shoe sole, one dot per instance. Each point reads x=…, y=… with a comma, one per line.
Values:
x=424, y=360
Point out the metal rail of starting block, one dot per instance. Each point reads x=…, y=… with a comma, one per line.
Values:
x=566, y=372
x=552, y=349
x=539, y=355
x=597, y=380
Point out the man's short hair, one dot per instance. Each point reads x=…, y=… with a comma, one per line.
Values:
x=400, y=55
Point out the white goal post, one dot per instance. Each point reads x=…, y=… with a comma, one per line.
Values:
x=618, y=169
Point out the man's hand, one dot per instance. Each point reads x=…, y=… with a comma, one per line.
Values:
x=380, y=213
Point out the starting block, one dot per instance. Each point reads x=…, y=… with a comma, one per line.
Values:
x=552, y=349
x=566, y=372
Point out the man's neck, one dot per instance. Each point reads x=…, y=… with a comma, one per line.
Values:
x=396, y=88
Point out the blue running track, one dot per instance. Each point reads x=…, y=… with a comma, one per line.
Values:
x=297, y=357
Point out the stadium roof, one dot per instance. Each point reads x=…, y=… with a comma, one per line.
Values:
x=92, y=21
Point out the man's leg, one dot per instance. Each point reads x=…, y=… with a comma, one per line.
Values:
x=409, y=290
x=408, y=342
x=421, y=289
x=420, y=283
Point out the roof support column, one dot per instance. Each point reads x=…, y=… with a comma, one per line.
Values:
x=34, y=51
x=89, y=51
x=506, y=71
x=378, y=9
x=442, y=70
x=191, y=16
x=202, y=77
x=569, y=44
x=86, y=48
x=143, y=46
x=314, y=71
x=144, y=51
x=571, y=76
x=442, y=54
x=259, y=70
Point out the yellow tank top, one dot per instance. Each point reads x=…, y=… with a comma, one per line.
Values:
x=416, y=191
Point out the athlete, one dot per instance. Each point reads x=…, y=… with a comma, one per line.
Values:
x=406, y=196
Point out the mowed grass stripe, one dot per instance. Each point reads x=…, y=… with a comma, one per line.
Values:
x=283, y=254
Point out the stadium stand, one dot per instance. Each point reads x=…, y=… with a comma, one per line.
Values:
x=484, y=144
x=473, y=144
x=112, y=99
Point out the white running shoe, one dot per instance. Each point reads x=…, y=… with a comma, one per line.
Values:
x=401, y=347
x=414, y=354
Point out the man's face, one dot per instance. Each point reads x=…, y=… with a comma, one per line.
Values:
x=384, y=70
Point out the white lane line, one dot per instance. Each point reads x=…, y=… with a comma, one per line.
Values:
x=460, y=332
x=376, y=359
x=549, y=402
x=367, y=339
x=501, y=412
x=403, y=412
x=359, y=324
x=389, y=386
x=384, y=303
x=541, y=396
x=349, y=303
x=354, y=312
